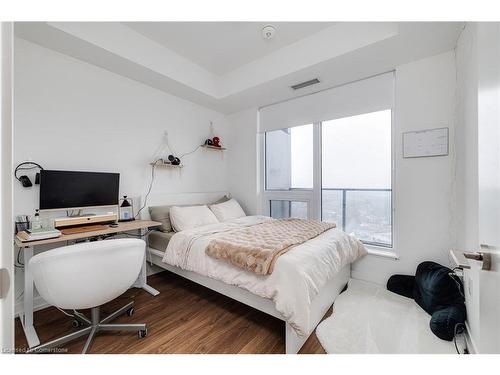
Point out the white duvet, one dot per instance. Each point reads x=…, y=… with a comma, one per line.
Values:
x=298, y=275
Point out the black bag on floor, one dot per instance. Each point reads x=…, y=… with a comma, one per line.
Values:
x=438, y=291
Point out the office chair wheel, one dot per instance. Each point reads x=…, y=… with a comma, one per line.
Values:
x=130, y=311
x=143, y=333
x=76, y=323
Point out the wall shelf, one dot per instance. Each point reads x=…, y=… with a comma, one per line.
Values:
x=166, y=165
x=214, y=147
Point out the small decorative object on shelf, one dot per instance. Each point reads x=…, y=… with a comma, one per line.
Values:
x=165, y=156
x=216, y=142
x=126, y=209
x=174, y=160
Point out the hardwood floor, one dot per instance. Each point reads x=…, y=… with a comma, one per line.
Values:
x=184, y=318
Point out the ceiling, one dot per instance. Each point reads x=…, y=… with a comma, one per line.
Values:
x=228, y=66
x=221, y=47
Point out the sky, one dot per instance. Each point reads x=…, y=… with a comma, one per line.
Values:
x=356, y=152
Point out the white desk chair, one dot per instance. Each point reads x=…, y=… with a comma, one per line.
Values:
x=86, y=276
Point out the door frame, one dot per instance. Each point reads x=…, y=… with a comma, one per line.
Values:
x=6, y=209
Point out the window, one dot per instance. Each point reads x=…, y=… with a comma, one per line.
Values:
x=339, y=165
x=289, y=158
x=289, y=172
x=356, y=175
x=281, y=209
x=353, y=185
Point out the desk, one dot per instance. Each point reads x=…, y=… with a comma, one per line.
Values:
x=28, y=247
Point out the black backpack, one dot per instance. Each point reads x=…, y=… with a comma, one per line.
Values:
x=439, y=292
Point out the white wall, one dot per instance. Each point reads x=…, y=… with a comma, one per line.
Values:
x=244, y=159
x=423, y=188
x=70, y=115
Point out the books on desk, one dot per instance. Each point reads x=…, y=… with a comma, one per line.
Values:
x=26, y=236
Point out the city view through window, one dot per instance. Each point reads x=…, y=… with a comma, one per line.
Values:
x=356, y=173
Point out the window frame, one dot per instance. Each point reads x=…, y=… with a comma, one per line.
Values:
x=290, y=201
x=313, y=196
x=294, y=194
x=265, y=165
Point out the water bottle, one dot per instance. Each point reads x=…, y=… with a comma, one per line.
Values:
x=36, y=222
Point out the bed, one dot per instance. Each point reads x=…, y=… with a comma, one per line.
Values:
x=300, y=290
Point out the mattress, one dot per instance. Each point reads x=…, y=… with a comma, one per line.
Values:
x=159, y=240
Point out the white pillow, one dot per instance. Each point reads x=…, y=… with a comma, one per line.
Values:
x=190, y=217
x=228, y=210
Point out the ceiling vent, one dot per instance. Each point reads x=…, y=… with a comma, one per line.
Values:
x=305, y=84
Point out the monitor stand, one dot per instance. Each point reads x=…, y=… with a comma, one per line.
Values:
x=79, y=213
x=64, y=222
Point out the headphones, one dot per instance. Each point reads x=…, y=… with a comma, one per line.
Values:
x=28, y=165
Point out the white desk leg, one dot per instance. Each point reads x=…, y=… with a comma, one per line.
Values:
x=27, y=320
x=142, y=281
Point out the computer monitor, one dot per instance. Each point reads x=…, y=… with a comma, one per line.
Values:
x=66, y=190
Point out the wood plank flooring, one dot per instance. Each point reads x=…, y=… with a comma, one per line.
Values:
x=184, y=318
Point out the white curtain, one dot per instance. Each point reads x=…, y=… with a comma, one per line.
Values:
x=364, y=96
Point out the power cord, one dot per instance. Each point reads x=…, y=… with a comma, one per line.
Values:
x=64, y=312
x=149, y=188
x=169, y=148
x=18, y=263
x=460, y=329
x=151, y=182
x=190, y=152
x=454, y=277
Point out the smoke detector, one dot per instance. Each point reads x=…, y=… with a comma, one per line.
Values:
x=268, y=32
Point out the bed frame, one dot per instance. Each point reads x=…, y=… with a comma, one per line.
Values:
x=319, y=306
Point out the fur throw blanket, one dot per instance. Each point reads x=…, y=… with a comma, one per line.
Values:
x=257, y=248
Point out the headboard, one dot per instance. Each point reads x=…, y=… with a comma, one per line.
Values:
x=172, y=199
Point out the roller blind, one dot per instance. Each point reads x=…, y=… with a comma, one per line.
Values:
x=368, y=95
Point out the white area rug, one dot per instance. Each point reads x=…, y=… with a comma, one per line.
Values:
x=369, y=319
